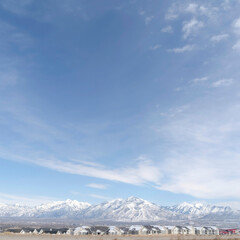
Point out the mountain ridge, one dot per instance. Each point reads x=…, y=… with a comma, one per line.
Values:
x=132, y=209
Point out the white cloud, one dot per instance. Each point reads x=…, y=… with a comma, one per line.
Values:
x=99, y=197
x=236, y=23
x=192, y=8
x=204, y=158
x=186, y=48
x=16, y=199
x=148, y=19
x=167, y=29
x=197, y=80
x=218, y=38
x=155, y=47
x=172, y=12
x=15, y=6
x=191, y=27
x=236, y=46
x=97, y=185
x=8, y=79
x=223, y=83
x=144, y=170
x=141, y=12
x=236, y=26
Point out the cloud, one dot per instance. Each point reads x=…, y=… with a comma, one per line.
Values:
x=141, y=12
x=99, y=197
x=204, y=158
x=144, y=171
x=223, y=83
x=197, y=80
x=167, y=29
x=192, y=8
x=15, y=199
x=218, y=38
x=236, y=46
x=97, y=185
x=236, y=25
x=186, y=48
x=16, y=6
x=148, y=19
x=155, y=47
x=8, y=79
x=191, y=27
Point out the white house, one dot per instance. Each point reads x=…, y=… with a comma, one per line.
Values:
x=214, y=230
x=70, y=231
x=174, y=229
x=138, y=229
x=35, y=231
x=84, y=230
x=113, y=230
x=202, y=230
x=191, y=230
x=22, y=232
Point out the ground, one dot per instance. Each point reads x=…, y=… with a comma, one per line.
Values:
x=137, y=237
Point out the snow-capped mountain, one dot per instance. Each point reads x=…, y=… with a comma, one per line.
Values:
x=198, y=209
x=131, y=209
x=63, y=209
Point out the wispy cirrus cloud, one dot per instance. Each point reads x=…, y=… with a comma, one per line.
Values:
x=198, y=80
x=191, y=28
x=100, y=197
x=13, y=199
x=223, y=83
x=167, y=29
x=193, y=9
x=15, y=6
x=204, y=147
x=96, y=185
x=186, y=48
x=155, y=47
x=236, y=46
x=218, y=38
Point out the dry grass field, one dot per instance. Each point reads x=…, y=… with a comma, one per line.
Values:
x=137, y=237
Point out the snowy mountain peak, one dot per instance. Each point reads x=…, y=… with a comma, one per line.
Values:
x=198, y=209
x=132, y=209
x=134, y=199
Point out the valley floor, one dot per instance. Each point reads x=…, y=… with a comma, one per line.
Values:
x=136, y=237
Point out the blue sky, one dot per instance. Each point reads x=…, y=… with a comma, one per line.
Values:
x=109, y=99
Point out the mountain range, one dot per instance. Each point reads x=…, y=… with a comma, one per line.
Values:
x=132, y=209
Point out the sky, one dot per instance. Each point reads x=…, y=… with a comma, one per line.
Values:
x=110, y=99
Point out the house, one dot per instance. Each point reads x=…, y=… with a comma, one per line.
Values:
x=214, y=230
x=35, y=231
x=184, y=230
x=138, y=229
x=191, y=230
x=70, y=231
x=202, y=230
x=155, y=230
x=22, y=232
x=41, y=231
x=113, y=230
x=124, y=230
x=174, y=229
x=161, y=229
x=99, y=230
x=84, y=230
